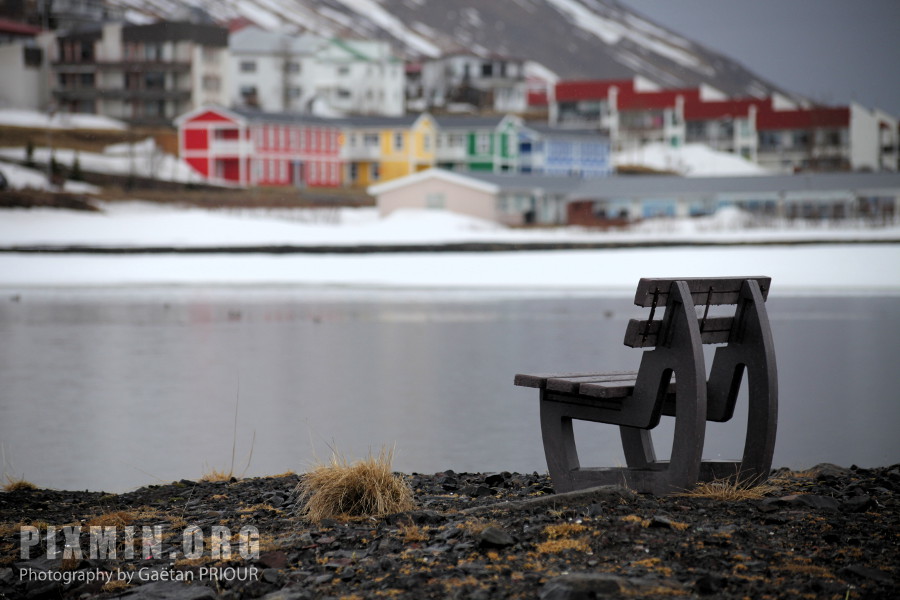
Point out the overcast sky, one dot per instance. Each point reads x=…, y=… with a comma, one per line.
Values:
x=832, y=51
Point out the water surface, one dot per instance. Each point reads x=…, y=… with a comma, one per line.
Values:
x=109, y=389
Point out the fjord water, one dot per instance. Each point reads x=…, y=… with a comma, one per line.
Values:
x=109, y=389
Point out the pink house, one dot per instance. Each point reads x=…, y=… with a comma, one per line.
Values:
x=251, y=148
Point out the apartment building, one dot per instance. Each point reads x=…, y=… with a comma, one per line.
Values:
x=492, y=83
x=277, y=72
x=774, y=132
x=143, y=74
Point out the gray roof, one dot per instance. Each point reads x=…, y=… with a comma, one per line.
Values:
x=256, y=40
x=376, y=121
x=467, y=122
x=624, y=186
x=513, y=182
x=285, y=117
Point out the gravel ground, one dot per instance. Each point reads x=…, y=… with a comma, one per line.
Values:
x=830, y=532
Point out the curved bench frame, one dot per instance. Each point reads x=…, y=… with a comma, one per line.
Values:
x=678, y=341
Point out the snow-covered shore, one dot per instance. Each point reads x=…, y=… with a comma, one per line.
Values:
x=845, y=268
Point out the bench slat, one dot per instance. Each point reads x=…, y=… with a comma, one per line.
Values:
x=726, y=290
x=605, y=386
x=716, y=330
x=539, y=380
x=572, y=384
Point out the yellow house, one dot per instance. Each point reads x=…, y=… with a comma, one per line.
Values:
x=377, y=149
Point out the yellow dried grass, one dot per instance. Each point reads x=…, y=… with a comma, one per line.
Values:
x=366, y=488
x=730, y=490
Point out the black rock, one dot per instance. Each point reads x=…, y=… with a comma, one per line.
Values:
x=169, y=590
x=583, y=586
x=710, y=584
x=858, y=504
x=867, y=573
x=495, y=537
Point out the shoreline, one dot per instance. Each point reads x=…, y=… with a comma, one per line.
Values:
x=828, y=532
x=451, y=247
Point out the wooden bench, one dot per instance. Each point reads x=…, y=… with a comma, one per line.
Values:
x=672, y=380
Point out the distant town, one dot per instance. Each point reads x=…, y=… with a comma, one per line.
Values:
x=243, y=106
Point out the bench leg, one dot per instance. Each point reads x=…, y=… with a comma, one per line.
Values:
x=753, y=352
x=559, y=445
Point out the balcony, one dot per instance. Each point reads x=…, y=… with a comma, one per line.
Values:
x=231, y=147
x=145, y=94
x=361, y=152
x=451, y=153
x=175, y=66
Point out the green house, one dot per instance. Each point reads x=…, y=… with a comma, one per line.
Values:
x=480, y=144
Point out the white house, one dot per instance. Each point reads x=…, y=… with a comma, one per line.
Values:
x=278, y=72
x=494, y=82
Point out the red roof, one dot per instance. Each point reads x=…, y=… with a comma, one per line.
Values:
x=719, y=109
x=811, y=118
x=572, y=91
x=16, y=28
x=657, y=100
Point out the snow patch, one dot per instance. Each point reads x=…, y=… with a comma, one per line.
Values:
x=33, y=118
x=392, y=25
x=692, y=160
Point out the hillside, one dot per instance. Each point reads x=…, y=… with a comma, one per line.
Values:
x=571, y=38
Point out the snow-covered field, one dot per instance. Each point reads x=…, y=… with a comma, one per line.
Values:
x=845, y=268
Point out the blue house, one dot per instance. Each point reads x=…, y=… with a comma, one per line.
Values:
x=576, y=153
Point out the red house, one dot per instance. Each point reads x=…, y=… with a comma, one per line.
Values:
x=251, y=148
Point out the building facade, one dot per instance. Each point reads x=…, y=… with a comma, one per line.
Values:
x=23, y=61
x=377, y=149
x=252, y=148
x=277, y=72
x=493, y=83
x=488, y=144
x=564, y=152
x=143, y=74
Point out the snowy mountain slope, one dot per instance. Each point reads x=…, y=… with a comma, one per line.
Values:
x=573, y=38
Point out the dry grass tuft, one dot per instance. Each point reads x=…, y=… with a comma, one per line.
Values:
x=730, y=490
x=216, y=475
x=14, y=484
x=115, y=519
x=366, y=488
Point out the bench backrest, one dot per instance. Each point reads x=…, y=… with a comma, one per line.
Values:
x=676, y=340
x=706, y=292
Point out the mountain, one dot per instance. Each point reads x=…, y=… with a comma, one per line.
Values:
x=574, y=39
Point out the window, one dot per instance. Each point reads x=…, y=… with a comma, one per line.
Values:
x=343, y=70
x=354, y=171
x=153, y=52
x=374, y=172
x=211, y=55
x=370, y=140
x=294, y=92
x=248, y=66
x=155, y=81
x=398, y=141
x=487, y=69
x=436, y=200
x=292, y=67
x=426, y=143
x=343, y=93
x=211, y=83
x=483, y=143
